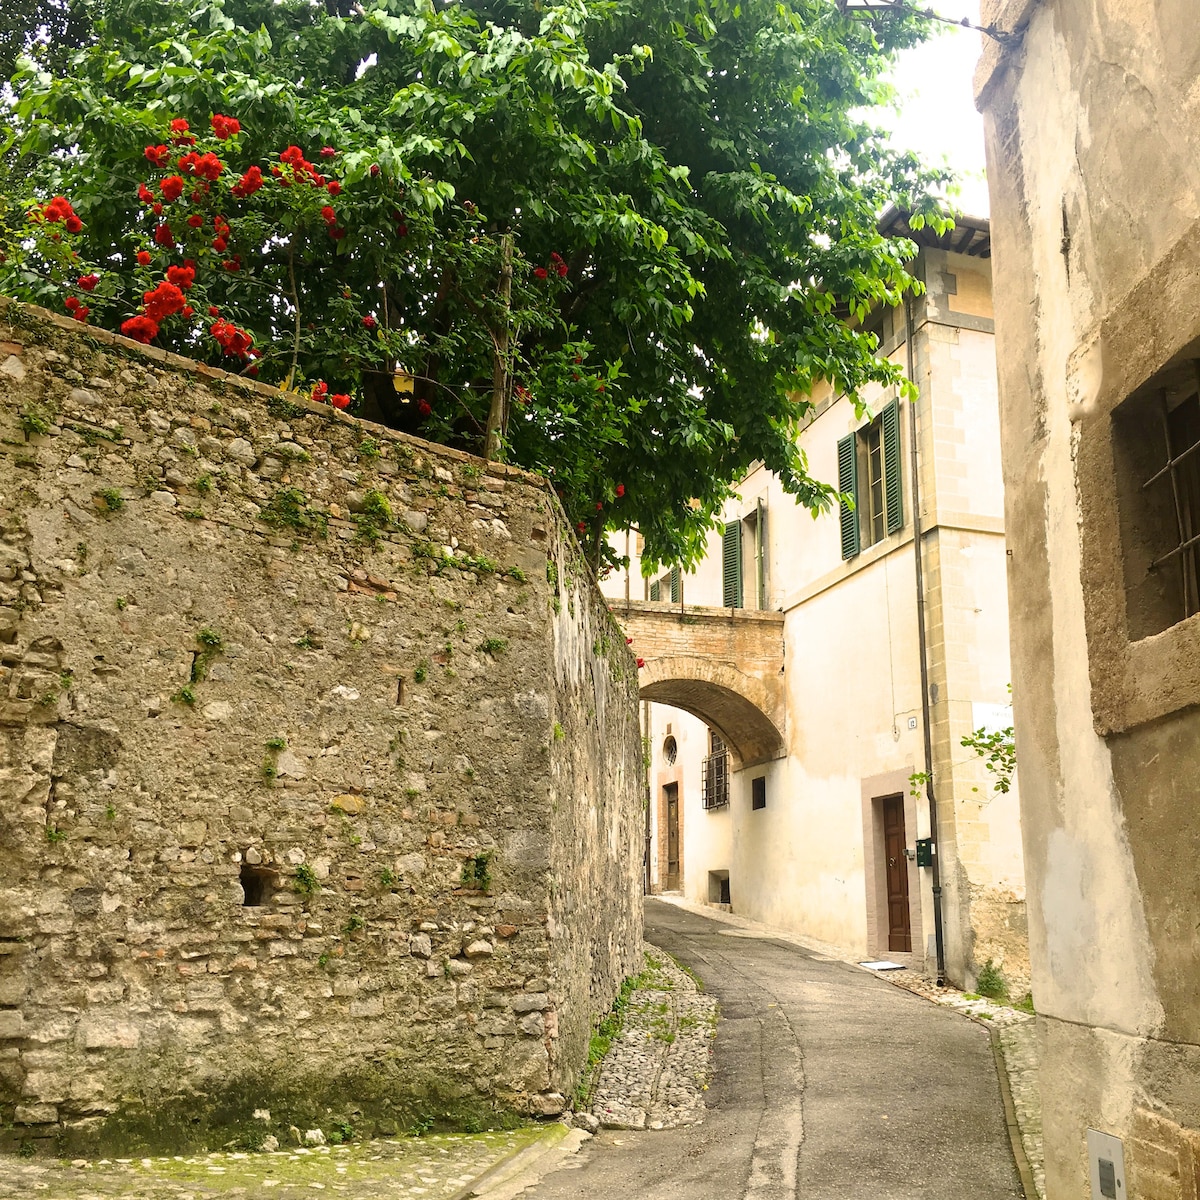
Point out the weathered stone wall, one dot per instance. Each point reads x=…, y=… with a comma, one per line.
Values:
x=319, y=764
x=1091, y=116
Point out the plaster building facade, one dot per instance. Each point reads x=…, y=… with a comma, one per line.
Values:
x=1092, y=119
x=821, y=833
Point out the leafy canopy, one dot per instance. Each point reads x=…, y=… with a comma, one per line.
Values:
x=631, y=230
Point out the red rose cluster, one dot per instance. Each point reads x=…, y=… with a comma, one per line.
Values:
x=225, y=127
x=249, y=183
x=320, y=393
x=233, y=341
x=59, y=209
x=179, y=133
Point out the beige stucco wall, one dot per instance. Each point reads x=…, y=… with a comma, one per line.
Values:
x=1092, y=134
x=851, y=670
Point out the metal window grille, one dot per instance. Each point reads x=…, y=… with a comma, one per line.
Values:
x=714, y=780
x=1181, y=472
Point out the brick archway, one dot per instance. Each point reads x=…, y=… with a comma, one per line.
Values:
x=725, y=667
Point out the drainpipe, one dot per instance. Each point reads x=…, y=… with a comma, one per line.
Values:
x=922, y=651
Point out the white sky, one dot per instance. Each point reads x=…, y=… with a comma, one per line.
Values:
x=938, y=117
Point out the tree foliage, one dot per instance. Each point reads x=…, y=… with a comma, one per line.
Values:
x=638, y=224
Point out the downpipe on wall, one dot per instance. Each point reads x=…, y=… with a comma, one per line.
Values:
x=938, y=938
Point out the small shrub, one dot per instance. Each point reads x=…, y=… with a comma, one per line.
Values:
x=54, y=834
x=476, y=873
x=354, y=924
x=493, y=645
x=421, y=673
x=388, y=878
x=185, y=695
x=289, y=508
x=113, y=500
x=368, y=448
x=277, y=743
x=34, y=421
x=306, y=880
x=990, y=982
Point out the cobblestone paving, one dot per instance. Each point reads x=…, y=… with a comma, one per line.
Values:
x=435, y=1167
x=657, y=1071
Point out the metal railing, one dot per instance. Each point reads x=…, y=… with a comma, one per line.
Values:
x=714, y=780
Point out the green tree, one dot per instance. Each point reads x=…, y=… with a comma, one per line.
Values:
x=625, y=234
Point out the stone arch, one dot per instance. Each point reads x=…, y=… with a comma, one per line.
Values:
x=738, y=706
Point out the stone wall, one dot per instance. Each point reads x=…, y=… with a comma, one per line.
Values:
x=1091, y=116
x=319, y=765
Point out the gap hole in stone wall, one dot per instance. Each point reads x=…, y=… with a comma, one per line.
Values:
x=255, y=882
x=399, y=691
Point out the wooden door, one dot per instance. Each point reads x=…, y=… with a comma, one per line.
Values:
x=672, y=795
x=894, y=843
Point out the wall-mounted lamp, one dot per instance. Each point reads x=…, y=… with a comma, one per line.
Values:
x=898, y=6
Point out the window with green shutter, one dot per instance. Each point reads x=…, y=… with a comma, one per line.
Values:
x=892, y=474
x=870, y=470
x=731, y=555
x=848, y=486
x=655, y=591
x=676, y=585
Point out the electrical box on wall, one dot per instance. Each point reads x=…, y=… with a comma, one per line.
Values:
x=924, y=852
x=1106, y=1166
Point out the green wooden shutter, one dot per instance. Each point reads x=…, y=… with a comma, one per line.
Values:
x=655, y=590
x=760, y=548
x=848, y=485
x=675, y=586
x=731, y=555
x=893, y=476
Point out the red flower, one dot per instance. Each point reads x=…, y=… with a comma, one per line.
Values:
x=220, y=245
x=171, y=187
x=402, y=229
x=328, y=152
x=374, y=169
x=182, y=277
x=581, y=527
x=620, y=490
x=81, y=313
x=424, y=408
x=339, y=400
x=249, y=183
x=641, y=663
x=225, y=127
x=629, y=641
x=336, y=232
x=71, y=303
x=158, y=155
x=328, y=215
x=141, y=329
x=233, y=341
x=562, y=270
x=161, y=303
x=213, y=311
x=179, y=133
x=202, y=166
x=196, y=221
x=599, y=505
x=145, y=195
x=232, y=264
x=320, y=390
x=368, y=321
x=87, y=282
x=333, y=188
x=143, y=257
x=74, y=224
x=187, y=312
x=156, y=209
x=541, y=272
x=179, y=125
x=252, y=370
x=164, y=237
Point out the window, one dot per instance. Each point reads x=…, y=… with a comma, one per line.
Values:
x=714, y=775
x=758, y=792
x=670, y=750
x=731, y=565
x=744, y=560
x=869, y=470
x=1156, y=451
x=670, y=584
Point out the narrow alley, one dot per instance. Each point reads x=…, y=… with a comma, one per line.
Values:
x=829, y=1084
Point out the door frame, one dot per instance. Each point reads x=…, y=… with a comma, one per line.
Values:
x=876, y=789
x=671, y=791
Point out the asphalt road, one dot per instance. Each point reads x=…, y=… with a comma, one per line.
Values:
x=829, y=1084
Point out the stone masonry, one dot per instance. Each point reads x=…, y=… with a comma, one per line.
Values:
x=320, y=771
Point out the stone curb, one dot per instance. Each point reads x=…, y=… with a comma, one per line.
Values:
x=517, y=1171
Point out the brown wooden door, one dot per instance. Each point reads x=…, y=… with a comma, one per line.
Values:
x=894, y=843
x=672, y=791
